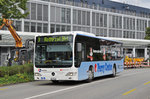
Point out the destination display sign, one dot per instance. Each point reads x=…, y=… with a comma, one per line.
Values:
x=50, y=39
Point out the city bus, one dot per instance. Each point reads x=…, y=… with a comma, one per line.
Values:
x=76, y=56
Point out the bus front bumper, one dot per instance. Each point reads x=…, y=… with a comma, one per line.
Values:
x=56, y=76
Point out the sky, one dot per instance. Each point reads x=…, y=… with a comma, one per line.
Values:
x=142, y=3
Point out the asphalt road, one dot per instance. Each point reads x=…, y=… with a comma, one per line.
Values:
x=130, y=84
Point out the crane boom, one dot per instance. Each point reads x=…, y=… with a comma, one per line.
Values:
x=20, y=52
x=8, y=24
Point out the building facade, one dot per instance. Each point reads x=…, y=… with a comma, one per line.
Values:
x=100, y=17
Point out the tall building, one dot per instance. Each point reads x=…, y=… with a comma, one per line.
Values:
x=119, y=21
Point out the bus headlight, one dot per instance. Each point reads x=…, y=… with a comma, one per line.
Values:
x=37, y=74
x=71, y=73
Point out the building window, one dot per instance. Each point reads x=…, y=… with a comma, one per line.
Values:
x=68, y=28
x=63, y=28
x=93, y=19
x=105, y=20
x=68, y=15
x=33, y=27
x=39, y=27
x=39, y=11
x=28, y=9
x=58, y=18
x=52, y=28
x=18, y=25
x=26, y=26
x=45, y=28
x=113, y=21
x=45, y=12
x=120, y=22
x=88, y=18
x=52, y=14
x=74, y=16
x=33, y=11
x=83, y=17
x=63, y=15
x=97, y=19
x=79, y=17
x=57, y=28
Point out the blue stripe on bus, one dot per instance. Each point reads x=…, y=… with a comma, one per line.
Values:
x=100, y=68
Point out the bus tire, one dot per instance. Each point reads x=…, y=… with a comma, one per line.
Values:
x=114, y=71
x=90, y=75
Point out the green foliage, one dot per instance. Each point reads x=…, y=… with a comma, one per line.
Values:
x=147, y=37
x=16, y=74
x=13, y=70
x=18, y=78
x=12, y=9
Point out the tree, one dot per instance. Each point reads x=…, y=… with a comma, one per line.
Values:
x=147, y=37
x=12, y=9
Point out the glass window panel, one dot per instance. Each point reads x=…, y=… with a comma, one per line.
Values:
x=97, y=19
x=28, y=10
x=83, y=18
x=33, y=27
x=63, y=28
x=18, y=25
x=88, y=18
x=26, y=26
x=74, y=16
x=68, y=28
x=39, y=27
x=101, y=20
x=105, y=20
x=52, y=28
x=57, y=28
x=93, y=19
x=45, y=12
x=39, y=11
x=63, y=15
x=68, y=15
x=45, y=28
x=33, y=11
x=79, y=17
x=58, y=15
x=52, y=14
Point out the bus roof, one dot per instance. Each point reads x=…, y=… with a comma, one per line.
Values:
x=97, y=37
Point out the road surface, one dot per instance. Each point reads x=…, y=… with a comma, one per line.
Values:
x=130, y=84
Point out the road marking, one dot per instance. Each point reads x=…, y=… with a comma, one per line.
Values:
x=126, y=93
x=147, y=83
x=56, y=91
x=48, y=93
x=3, y=88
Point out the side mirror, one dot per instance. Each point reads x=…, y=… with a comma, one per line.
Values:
x=79, y=47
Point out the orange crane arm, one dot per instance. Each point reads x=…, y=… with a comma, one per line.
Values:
x=8, y=24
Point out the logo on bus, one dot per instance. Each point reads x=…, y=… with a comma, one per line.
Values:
x=103, y=68
x=39, y=70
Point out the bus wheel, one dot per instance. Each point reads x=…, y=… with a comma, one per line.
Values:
x=114, y=72
x=90, y=75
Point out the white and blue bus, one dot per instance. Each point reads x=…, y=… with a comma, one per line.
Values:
x=76, y=56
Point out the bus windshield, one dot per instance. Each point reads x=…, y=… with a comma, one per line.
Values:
x=53, y=55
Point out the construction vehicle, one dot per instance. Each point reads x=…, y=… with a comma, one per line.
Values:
x=20, y=54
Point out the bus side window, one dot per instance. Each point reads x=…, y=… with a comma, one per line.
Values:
x=79, y=53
